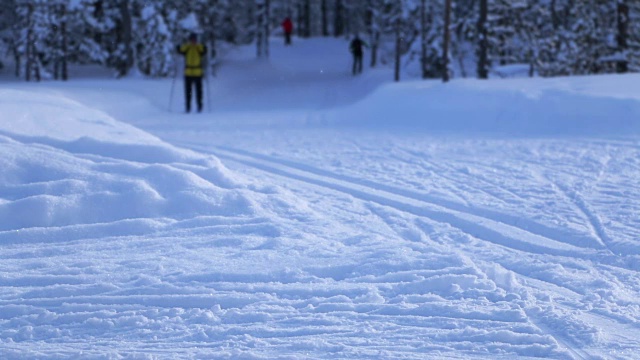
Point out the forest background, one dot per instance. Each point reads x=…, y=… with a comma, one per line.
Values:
x=42, y=38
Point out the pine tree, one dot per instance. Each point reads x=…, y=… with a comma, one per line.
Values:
x=34, y=28
x=263, y=11
x=212, y=14
x=153, y=43
x=483, y=40
x=339, y=18
x=374, y=25
x=9, y=30
x=633, y=40
x=535, y=33
x=554, y=37
x=446, y=41
x=117, y=21
x=76, y=38
x=622, y=36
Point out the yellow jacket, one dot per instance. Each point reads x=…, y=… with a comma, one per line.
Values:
x=193, y=55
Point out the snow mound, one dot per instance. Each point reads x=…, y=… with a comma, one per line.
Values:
x=56, y=117
x=67, y=165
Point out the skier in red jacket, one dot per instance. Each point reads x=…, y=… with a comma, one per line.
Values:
x=287, y=26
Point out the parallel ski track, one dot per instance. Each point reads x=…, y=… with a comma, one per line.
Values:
x=575, y=352
x=460, y=216
x=491, y=229
x=433, y=166
x=595, y=223
x=566, y=344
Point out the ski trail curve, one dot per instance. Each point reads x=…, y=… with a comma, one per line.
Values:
x=510, y=220
x=480, y=227
x=530, y=306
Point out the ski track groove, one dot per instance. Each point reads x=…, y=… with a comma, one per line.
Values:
x=430, y=167
x=565, y=344
x=440, y=210
x=427, y=164
x=593, y=220
x=435, y=209
x=574, y=350
x=506, y=219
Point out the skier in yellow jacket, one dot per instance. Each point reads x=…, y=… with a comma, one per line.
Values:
x=194, y=53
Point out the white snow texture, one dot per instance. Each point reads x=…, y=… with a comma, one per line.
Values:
x=310, y=214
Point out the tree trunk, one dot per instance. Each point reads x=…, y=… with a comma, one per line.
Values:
x=483, y=43
x=57, y=51
x=307, y=19
x=267, y=26
x=17, y=59
x=374, y=48
x=98, y=13
x=259, y=28
x=300, y=19
x=555, y=19
x=623, y=35
x=398, y=50
x=447, y=40
x=325, y=18
x=36, y=68
x=338, y=23
x=65, y=46
x=374, y=34
x=29, y=53
x=126, y=37
x=423, y=39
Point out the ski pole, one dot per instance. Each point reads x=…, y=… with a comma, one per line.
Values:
x=208, y=93
x=173, y=83
x=206, y=84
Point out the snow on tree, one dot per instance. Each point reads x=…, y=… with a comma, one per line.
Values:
x=551, y=37
x=33, y=31
x=262, y=13
x=633, y=36
x=153, y=43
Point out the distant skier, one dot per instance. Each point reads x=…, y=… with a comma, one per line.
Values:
x=356, y=48
x=194, y=53
x=287, y=27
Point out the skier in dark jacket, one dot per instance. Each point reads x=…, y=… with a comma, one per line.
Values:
x=193, y=53
x=356, y=48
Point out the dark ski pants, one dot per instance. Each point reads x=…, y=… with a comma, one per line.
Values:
x=189, y=83
x=357, y=64
x=287, y=38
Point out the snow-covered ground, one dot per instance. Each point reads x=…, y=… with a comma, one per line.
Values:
x=308, y=214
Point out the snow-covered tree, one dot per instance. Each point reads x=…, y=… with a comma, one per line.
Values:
x=72, y=37
x=117, y=38
x=9, y=30
x=553, y=37
x=263, y=11
x=33, y=22
x=427, y=24
x=153, y=43
x=633, y=36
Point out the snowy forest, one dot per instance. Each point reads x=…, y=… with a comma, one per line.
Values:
x=42, y=38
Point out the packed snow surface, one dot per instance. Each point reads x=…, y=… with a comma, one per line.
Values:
x=310, y=214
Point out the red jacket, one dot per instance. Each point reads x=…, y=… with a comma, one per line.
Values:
x=287, y=25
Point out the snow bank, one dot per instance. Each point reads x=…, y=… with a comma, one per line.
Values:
x=532, y=107
x=64, y=164
x=56, y=117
